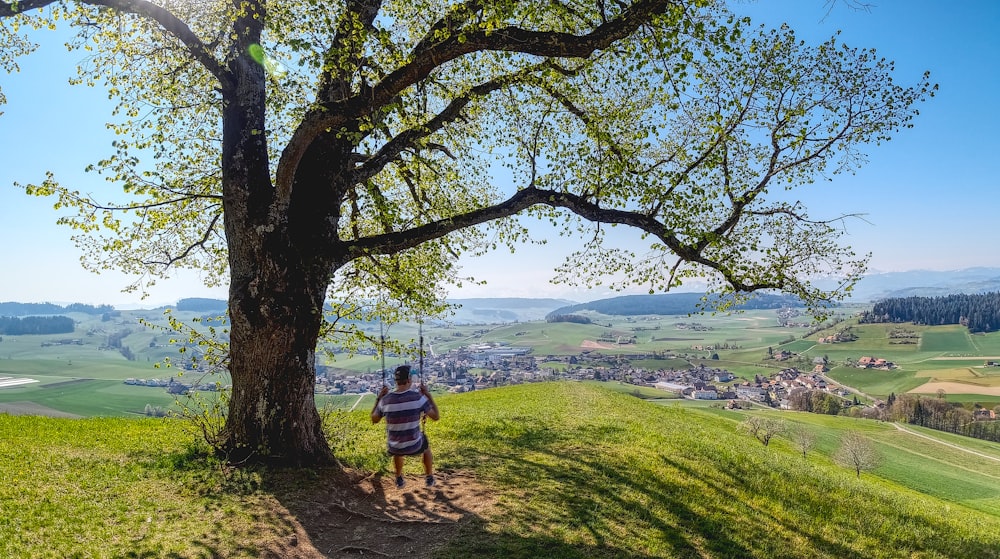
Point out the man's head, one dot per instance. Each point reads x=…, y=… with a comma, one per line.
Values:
x=402, y=374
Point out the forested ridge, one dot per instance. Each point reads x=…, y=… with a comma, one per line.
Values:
x=979, y=312
x=11, y=308
x=14, y=326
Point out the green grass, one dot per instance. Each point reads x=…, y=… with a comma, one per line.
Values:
x=119, y=488
x=949, y=340
x=587, y=473
x=932, y=467
x=876, y=383
x=988, y=344
x=578, y=472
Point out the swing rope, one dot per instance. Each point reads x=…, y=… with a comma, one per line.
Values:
x=381, y=347
x=420, y=330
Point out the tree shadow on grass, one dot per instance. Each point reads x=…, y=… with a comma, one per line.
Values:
x=571, y=500
x=558, y=497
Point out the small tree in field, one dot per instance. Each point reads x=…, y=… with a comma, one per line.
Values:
x=803, y=439
x=763, y=428
x=313, y=152
x=857, y=452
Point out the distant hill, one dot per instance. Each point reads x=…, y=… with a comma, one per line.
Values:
x=670, y=303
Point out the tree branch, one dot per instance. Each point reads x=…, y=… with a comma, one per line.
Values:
x=409, y=138
x=8, y=9
x=163, y=17
x=176, y=27
x=346, y=51
x=190, y=248
x=395, y=242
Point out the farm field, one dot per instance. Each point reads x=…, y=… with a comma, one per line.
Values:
x=79, y=374
x=949, y=340
x=756, y=329
x=938, y=358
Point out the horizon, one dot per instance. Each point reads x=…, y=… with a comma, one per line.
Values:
x=151, y=305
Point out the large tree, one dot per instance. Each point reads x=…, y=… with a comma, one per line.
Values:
x=350, y=151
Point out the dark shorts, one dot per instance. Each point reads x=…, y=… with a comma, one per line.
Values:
x=423, y=447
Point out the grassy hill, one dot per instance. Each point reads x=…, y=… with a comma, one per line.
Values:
x=576, y=470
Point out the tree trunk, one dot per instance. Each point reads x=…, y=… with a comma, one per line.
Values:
x=272, y=413
x=277, y=288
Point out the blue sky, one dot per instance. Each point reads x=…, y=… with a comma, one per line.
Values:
x=930, y=196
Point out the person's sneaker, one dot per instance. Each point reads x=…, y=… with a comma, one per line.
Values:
x=400, y=482
x=430, y=481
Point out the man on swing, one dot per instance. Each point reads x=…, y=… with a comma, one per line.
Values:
x=402, y=409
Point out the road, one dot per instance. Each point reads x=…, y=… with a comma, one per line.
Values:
x=361, y=397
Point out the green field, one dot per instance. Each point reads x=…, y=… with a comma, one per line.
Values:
x=949, y=340
x=968, y=475
x=573, y=471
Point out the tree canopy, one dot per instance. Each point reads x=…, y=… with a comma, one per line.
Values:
x=300, y=149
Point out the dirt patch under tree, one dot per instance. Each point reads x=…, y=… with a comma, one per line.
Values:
x=346, y=514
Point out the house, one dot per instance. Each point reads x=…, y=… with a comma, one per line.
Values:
x=984, y=413
x=705, y=394
x=788, y=374
x=778, y=392
x=723, y=376
x=750, y=392
x=670, y=387
x=869, y=362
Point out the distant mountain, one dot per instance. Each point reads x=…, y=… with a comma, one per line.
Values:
x=926, y=283
x=198, y=304
x=505, y=309
x=474, y=311
x=670, y=303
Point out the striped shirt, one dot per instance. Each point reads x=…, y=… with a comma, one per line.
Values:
x=402, y=412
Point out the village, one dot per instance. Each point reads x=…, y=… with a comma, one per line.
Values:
x=500, y=364
x=487, y=365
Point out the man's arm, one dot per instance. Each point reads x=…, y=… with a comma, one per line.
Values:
x=432, y=409
x=376, y=414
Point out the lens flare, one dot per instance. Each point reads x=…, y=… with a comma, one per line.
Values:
x=271, y=66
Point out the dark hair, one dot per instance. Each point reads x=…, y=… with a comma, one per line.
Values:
x=402, y=374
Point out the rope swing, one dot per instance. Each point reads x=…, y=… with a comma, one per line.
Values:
x=381, y=346
x=420, y=354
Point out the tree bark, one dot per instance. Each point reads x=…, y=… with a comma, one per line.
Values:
x=272, y=413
